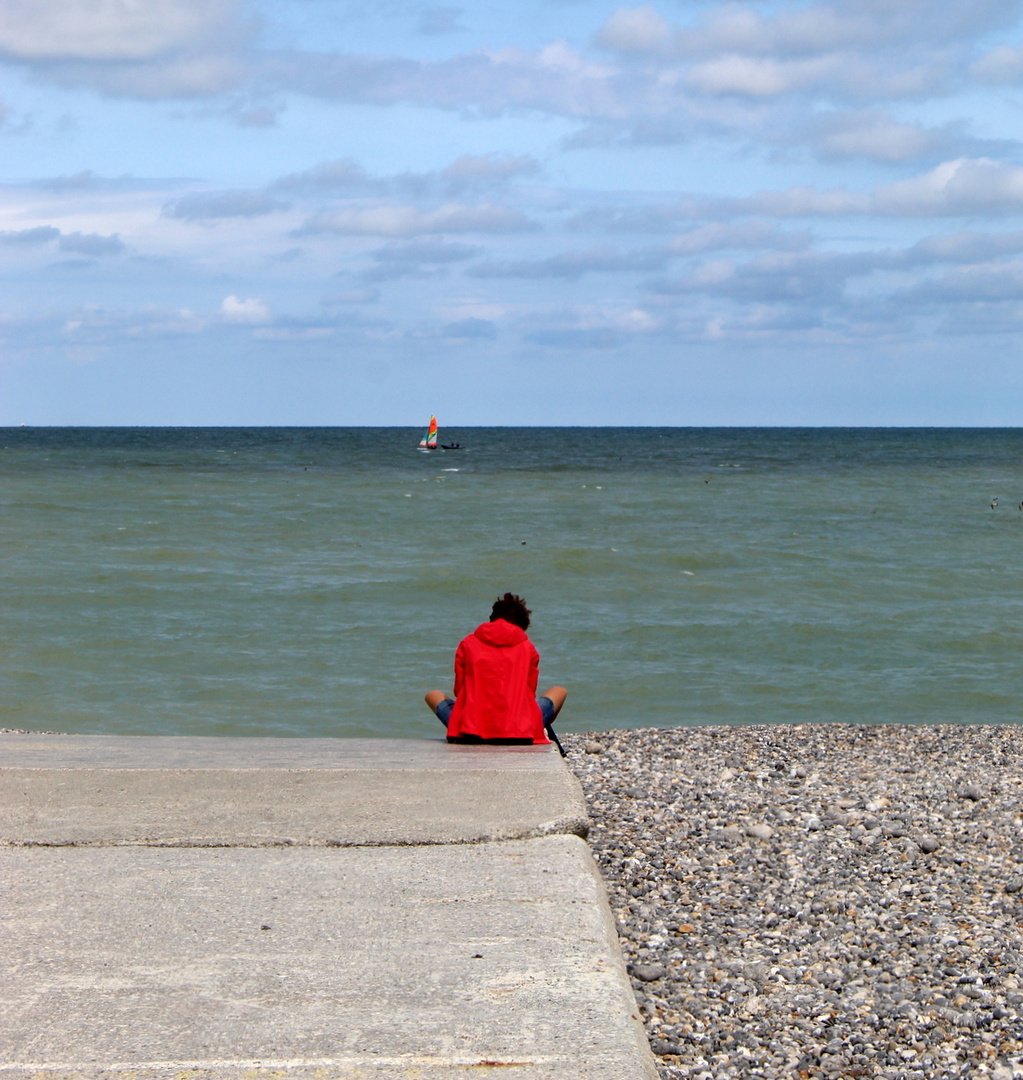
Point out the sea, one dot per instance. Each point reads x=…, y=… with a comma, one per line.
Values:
x=315, y=581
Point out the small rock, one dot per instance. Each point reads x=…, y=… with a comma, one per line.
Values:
x=1014, y=884
x=648, y=972
x=661, y=1048
x=813, y=823
x=971, y=792
x=927, y=844
x=593, y=747
x=759, y=831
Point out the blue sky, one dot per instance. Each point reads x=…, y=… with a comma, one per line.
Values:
x=570, y=212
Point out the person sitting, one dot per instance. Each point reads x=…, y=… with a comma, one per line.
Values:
x=497, y=669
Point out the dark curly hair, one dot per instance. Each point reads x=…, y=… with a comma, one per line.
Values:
x=512, y=609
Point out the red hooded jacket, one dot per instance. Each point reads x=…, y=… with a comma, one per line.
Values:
x=496, y=672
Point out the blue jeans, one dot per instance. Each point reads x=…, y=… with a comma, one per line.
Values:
x=443, y=710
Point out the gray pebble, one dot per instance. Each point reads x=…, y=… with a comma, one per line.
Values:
x=593, y=747
x=759, y=831
x=648, y=972
x=845, y=946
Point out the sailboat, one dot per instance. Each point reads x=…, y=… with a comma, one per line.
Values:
x=429, y=439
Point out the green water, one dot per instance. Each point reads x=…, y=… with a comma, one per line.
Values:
x=315, y=582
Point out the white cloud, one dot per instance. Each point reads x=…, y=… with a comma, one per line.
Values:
x=91, y=244
x=974, y=284
x=802, y=202
x=963, y=186
x=473, y=167
x=874, y=136
x=198, y=76
x=40, y=234
x=440, y=20
x=251, y=311
x=106, y=29
x=1004, y=64
x=757, y=77
x=412, y=221
x=342, y=174
x=635, y=30
x=205, y=206
x=802, y=29
x=723, y=236
x=965, y=247
x=571, y=265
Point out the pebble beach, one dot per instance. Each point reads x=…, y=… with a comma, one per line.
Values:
x=816, y=900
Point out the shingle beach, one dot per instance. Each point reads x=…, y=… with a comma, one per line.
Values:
x=816, y=900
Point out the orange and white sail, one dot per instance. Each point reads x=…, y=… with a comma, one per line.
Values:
x=429, y=439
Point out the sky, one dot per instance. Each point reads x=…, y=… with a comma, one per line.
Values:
x=692, y=212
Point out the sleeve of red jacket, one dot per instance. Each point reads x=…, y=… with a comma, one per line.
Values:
x=459, y=670
x=534, y=669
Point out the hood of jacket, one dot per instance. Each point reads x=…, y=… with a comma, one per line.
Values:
x=500, y=633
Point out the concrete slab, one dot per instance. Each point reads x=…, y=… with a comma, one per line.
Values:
x=256, y=909
x=101, y=790
x=200, y=964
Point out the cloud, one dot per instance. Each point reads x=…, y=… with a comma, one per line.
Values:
x=396, y=260
x=103, y=30
x=801, y=278
x=78, y=181
x=91, y=244
x=800, y=30
x=973, y=284
x=759, y=77
x=471, y=168
x=601, y=337
x=412, y=221
x=343, y=174
x=440, y=20
x=426, y=251
x=190, y=76
x=351, y=297
x=41, y=234
x=875, y=136
x=754, y=235
x=470, y=329
x=1001, y=65
x=554, y=79
x=251, y=311
x=222, y=204
x=256, y=116
x=963, y=186
x=635, y=30
x=571, y=265
x=964, y=247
